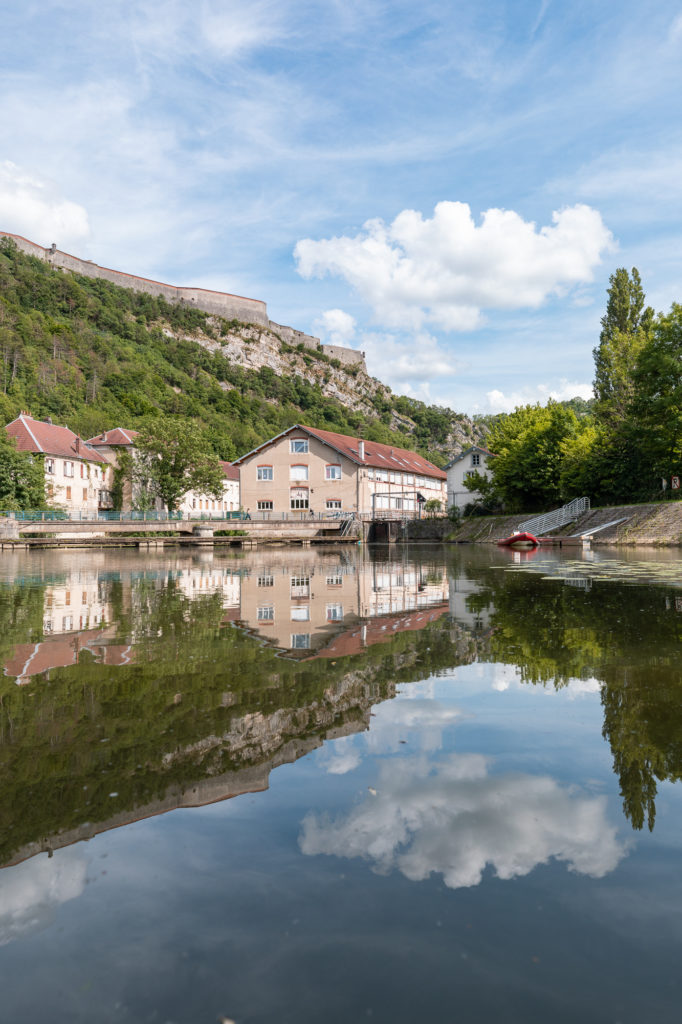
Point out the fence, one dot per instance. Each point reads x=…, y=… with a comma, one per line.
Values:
x=559, y=517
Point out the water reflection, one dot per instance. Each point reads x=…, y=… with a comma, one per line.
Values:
x=137, y=684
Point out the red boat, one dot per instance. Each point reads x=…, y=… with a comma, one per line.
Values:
x=520, y=540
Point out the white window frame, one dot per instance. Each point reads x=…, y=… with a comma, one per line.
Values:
x=334, y=612
x=265, y=473
x=300, y=642
x=266, y=613
x=300, y=613
x=332, y=471
x=264, y=506
x=265, y=581
x=334, y=504
x=49, y=466
x=299, y=472
x=298, y=446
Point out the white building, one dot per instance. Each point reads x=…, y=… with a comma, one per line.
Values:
x=473, y=460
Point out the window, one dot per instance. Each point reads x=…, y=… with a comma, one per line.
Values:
x=68, y=494
x=300, y=641
x=49, y=465
x=68, y=469
x=300, y=586
x=300, y=613
x=299, y=498
x=382, y=474
x=332, y=472
x=335, y=581
x=194, y=502
x=298, y=446
x=265, y=581
x=370, y=474
x=475, y=459
x=264, y=473
x=82, y=471
x=266, y=613
x=85, y=494
x=334, y=612
x=67, y=622
x=299, y=472
x=264, y=506
x=409, y=478
x=333, y=503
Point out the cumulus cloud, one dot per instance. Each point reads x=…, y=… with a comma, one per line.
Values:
x=454, y=819
x=445, y=270
x=33, y=207
x=423, y=716
x=498, y=401
x=30, y=892
x=336, y=327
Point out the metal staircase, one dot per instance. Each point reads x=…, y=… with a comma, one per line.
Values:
x=559, y=517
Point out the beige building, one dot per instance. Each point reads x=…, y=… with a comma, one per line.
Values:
x=301, y=604
x=77, y=477
x=305, y=470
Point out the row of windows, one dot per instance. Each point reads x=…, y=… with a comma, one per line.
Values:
x=300, y=500
x=100, y=495
x=212, y=506
x=298, y=581
x=68, y=469
x=299, y=472
x=300, y=613
x=410, y=479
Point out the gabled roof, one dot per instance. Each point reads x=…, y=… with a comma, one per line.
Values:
x=231, y=472
x=117, y=436
x=381, y=456
x=45, y=438
x=468, y=451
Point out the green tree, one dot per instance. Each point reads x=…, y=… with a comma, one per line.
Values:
x=22, y=479
x=656, y=410
x=625, y=328
x=526, y=475
x=175, y=460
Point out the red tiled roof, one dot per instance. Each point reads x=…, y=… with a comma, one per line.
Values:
x=381, y=456
x=231, y=472
x=49, y=439
x=117, y=436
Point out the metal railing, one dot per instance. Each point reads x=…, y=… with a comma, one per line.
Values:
x=559, y=517
x=92, y=515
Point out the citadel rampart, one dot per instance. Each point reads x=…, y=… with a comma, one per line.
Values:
x=231, y=307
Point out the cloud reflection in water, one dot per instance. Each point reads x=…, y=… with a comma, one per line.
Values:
x=454, y=818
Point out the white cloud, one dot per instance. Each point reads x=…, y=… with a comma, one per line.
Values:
x=446, y=270
x=498, y=401
x=33, y=206
x=454, y=819
x=31, y=891
x=408, y=364
x=423, y=716
x=336, y=327
x=675, y=30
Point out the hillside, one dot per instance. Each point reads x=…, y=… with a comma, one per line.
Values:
x=94, y=355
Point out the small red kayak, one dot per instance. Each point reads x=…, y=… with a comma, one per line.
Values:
x=519, y=540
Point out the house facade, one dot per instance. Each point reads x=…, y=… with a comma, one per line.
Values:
x=77, y=477
x=473, y=460
x=305, y=470
x=195, y=504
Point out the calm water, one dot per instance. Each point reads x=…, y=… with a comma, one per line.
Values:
x=340, y=786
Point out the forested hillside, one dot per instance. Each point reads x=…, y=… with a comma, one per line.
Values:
x=93, y=356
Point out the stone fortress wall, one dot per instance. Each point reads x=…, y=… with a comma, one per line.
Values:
x=231, y=307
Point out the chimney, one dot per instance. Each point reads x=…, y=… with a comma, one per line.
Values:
x=48, y=419
x=78, y=443
x=361, y=450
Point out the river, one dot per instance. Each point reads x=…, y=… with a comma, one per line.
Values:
x=391, y=785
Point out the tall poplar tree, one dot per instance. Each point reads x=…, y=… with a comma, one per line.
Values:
x=625, y=329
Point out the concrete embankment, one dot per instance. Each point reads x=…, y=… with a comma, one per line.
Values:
x=655, y=524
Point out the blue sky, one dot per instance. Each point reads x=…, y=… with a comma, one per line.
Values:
x=445, y=185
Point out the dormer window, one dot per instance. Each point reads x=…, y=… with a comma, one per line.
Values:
x=298, y=446
x=475, y=459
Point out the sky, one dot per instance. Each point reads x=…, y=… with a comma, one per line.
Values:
x=444, y=185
